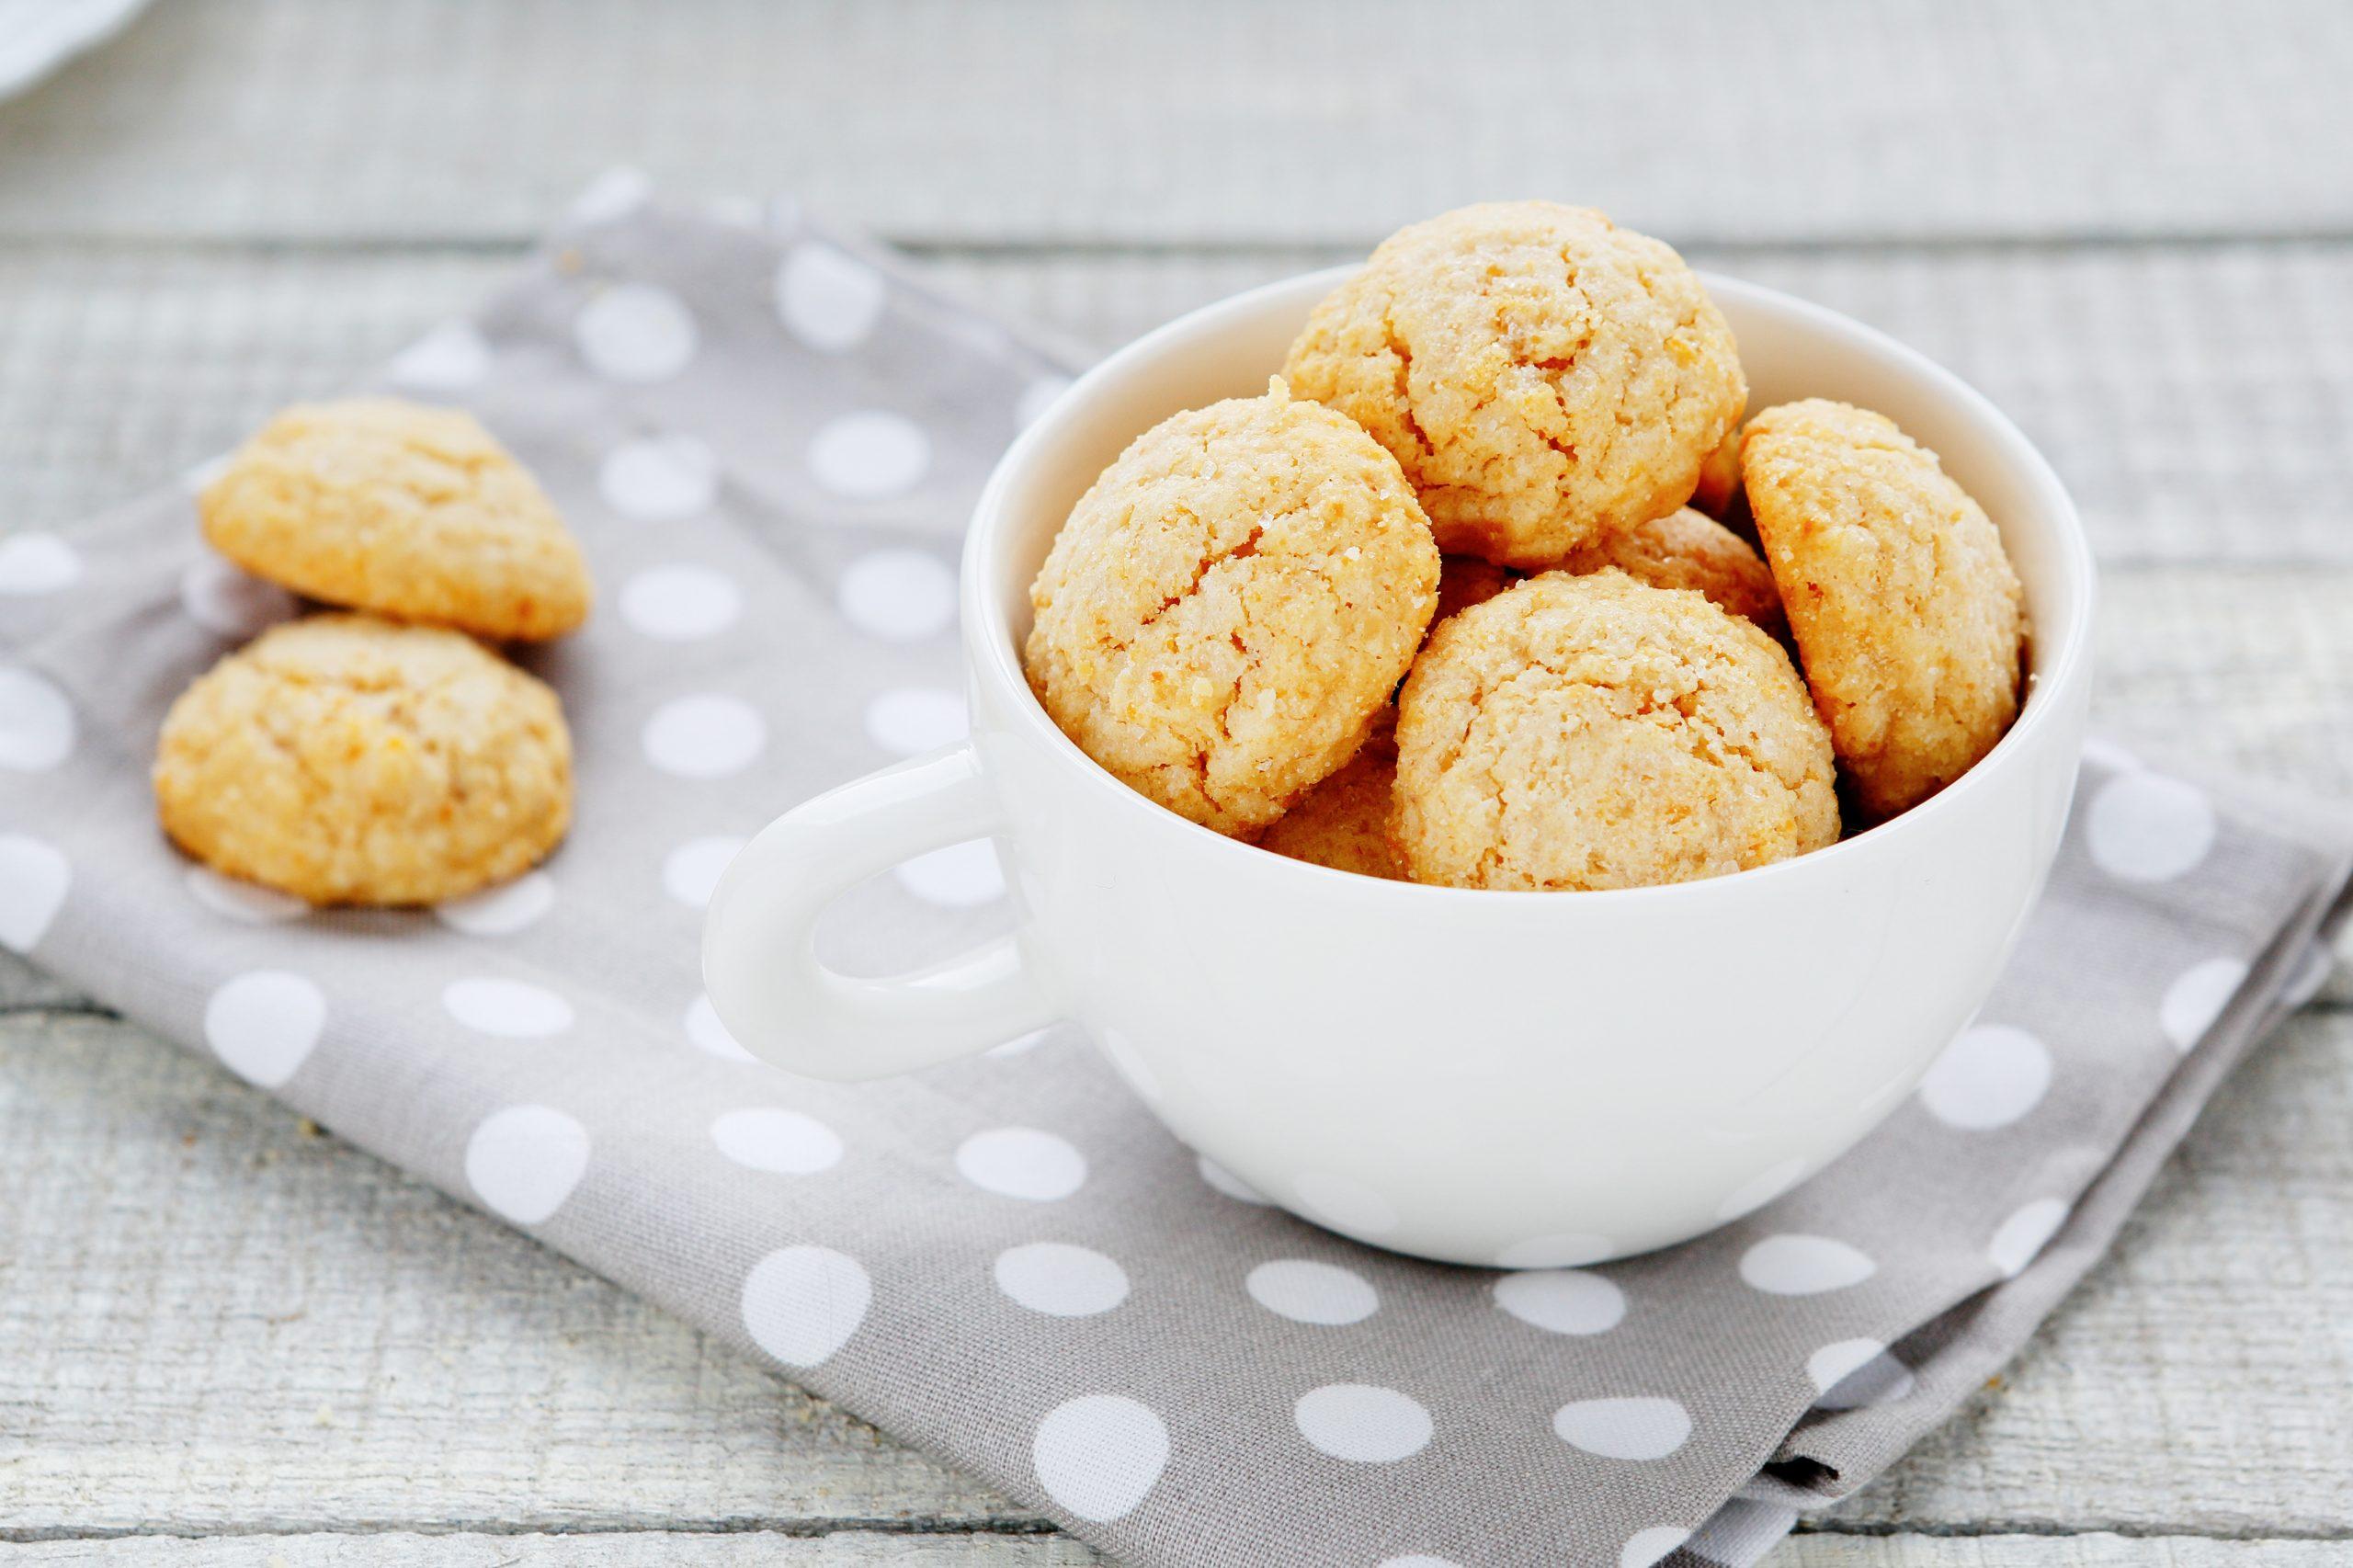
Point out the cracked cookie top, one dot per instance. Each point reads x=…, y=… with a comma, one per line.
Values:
x=1229, y=603
x=1593, y=731
x=1544, y=377
x=349, y=760
x=1905, y=610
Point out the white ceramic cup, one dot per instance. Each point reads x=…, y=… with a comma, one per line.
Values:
x=1523, y=1079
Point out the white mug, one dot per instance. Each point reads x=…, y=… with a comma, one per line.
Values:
x=1514, y=1079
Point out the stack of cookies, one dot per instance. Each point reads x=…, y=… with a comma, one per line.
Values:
x=1505, y=466
x=380, y=755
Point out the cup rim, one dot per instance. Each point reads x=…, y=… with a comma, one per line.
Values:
x=990, y=651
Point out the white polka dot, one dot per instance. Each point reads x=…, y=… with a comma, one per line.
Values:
x=869, y=456
x=901, y=595
x=703, y=1027
x=1038, y=396
x=829, y=301
x=769, y=1138
x=2018, y=1239
x=1219, y=1179
x=265, y=1024
x=1306, y=1291
x=1803, y=1266
x=616, y=193
x=34, y=564
x=911, y=718
x=1623, y=1428
x=743, y=211
x=1020, y=1044
x=1060, y=1280
x=635, y=332
x=511, y=1009
x=705, y=736
x=2197, y=998
x=451, y=355
x=1854, y=1373
x=220, y=599
x=659, y=479
x=1361, y=1423
x=1098, y=1456
x=1644, y=1548
x=1989, y=1077
x=959, y=877
x=36, y=722
x=247, y=902
x=503, y=910
x=679, y=603
x=34, y=876
x=2145, y=827
x=2109, y=754
x=1345, y=1203
x=1563, y=1250
x=690, y=873
x=803, y=1303
x=1760, y=1189
x=1021, y=1162
x=1565, y=1300
x=524, y=1161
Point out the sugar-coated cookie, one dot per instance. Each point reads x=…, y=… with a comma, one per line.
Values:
x=1343, y=822
x=1688, y=550
x=412, y=512
x=1718, y=492
x=1543, y=376
x=350, y=760
x=1230, y=603
x=1908, y=618
x=1595, y=732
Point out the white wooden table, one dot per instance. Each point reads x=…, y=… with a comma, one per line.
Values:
x=2131, y=223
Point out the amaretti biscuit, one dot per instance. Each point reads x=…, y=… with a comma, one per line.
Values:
x=411, y=512
x=1583, y=733
x=1343, y=822
x=1686, y=550
x=345, y=759
x=1230, y=603
x=1907, y=615
x=1544, y=377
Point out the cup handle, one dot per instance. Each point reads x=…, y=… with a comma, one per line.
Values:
x=760, y=954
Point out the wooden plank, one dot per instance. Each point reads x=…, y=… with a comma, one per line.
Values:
x=1331, y=120
x=220, y=1320
x=681, y=1548
x=2199, y=400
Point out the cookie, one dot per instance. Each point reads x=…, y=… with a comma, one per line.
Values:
x=1544, y=377
x=345, y=759
x=1595, y=732
x=1464, y=581
x=1229, y=603
x=1688, y=550
x=1343, y=822
x=411, y=512
x=1908, y=619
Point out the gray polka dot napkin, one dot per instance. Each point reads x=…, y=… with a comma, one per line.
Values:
x=768, y=439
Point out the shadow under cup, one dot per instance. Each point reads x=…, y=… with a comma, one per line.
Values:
x=1514, y=1078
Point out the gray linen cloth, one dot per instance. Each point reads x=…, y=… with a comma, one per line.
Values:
x=768, y=439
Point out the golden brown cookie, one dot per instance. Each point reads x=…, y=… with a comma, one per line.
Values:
x=1464, y=581
x=1687, y=549
x=1908, y=618
x=1583, y=733
x=1343, y=822
x=412, y=512
x=350, y=760
x=1229, y=603
x=1543, y=376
